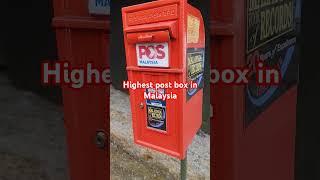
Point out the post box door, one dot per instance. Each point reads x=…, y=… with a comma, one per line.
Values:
x=151, y=59
x=156, y=122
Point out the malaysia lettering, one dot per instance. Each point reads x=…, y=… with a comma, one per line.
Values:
x=160, y=96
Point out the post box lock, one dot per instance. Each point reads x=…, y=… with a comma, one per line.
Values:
x=100, y=140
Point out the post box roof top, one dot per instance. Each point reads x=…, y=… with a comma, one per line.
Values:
x=152, y=12
x=149, y=5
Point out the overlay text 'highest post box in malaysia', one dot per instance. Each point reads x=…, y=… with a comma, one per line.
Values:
x=165, y=42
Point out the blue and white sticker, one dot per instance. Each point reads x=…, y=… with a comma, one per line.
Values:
x=156, y=112
x=99, y=7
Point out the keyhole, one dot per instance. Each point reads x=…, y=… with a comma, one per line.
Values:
x=100, y=140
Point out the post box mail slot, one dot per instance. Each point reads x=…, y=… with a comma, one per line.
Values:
x=165, y=43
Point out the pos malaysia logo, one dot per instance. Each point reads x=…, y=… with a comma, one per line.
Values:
x=153, y=54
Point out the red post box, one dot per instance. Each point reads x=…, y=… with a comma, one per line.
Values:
x=253, y=127
x=82, y=31
x=165, y=43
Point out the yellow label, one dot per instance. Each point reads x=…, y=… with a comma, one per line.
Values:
x=155, y=113
x=193, y=29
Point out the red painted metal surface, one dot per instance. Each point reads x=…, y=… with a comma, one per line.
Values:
x=264, y=150
x=84, y=38
x=183, y=117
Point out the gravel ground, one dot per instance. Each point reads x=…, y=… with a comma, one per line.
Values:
x=125, y=166
x=28, y=169
x=121, y=134
x=32, y=137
